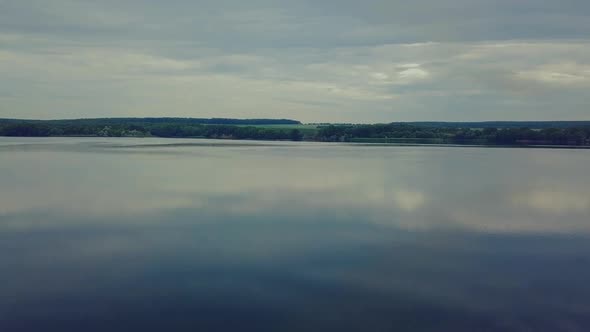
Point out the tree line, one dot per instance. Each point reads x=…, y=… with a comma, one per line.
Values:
x=328, y=133
x=567, y=135
x=154, y=121
x=45, y=129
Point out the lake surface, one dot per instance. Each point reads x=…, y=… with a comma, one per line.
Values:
x=202, y=235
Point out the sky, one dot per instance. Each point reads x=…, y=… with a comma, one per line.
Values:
x=310, y=60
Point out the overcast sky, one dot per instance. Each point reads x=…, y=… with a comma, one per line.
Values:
x=311, y=60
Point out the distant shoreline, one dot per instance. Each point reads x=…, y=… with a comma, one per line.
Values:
x=350, y=143
x=574, y=134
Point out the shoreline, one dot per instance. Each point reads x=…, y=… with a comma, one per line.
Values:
x=464, y=144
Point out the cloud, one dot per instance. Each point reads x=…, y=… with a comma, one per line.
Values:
x=314, y=61
x=558, y=74
x=413, y=74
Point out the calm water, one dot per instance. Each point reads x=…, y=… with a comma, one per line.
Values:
x=197, y=235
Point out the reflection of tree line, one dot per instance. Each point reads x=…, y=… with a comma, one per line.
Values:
x=291, y=130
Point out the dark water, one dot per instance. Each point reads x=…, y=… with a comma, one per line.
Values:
x=196, y=235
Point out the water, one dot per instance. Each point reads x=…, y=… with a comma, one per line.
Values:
x=200, y=235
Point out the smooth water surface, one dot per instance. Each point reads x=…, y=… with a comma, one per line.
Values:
x=200, y=235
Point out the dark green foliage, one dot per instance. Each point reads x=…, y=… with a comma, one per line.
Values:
x=504, y=124
x=24, y=129
x=274, y=130
x=296, y=135
x=579, y=135
x=150, y=127
x=224, y=131
x=155, y=121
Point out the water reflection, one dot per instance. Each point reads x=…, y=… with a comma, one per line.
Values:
x=115, y=235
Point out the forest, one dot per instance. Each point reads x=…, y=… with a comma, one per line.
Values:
x=491, y=135
x=571, y=133
x=258, y=129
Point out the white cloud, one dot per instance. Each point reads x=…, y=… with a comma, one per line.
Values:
x=409, y=65
x=558, y=74
x=413, y=75
x=380, y=76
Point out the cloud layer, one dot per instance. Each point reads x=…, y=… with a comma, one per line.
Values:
x=310, y=60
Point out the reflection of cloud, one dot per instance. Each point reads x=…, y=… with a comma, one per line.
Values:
x=391, y=187
x=553, y=202
x=85, y=207
x=409, y=200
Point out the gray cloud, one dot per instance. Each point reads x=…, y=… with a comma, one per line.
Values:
x=311, y=60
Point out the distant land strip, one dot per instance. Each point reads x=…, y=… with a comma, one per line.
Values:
x=488, y=132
